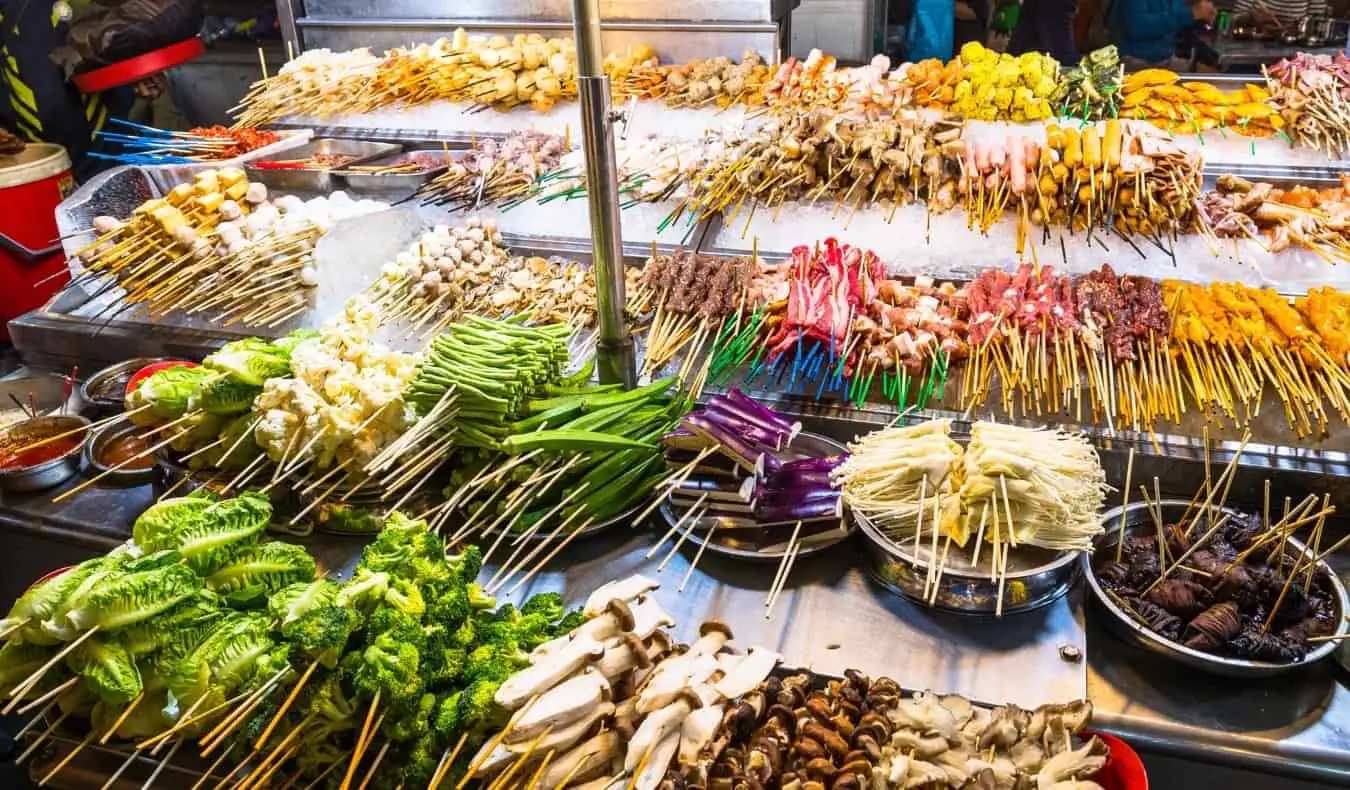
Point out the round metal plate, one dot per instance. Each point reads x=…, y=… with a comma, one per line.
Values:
x=806, y=445
x=1035, y=576
x=1137, y=518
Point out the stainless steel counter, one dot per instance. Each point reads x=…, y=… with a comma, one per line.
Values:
x=831, y=617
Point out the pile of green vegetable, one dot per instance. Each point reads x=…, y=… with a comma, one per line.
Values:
x=595, y=443
x=195, y=613
x=213, y=402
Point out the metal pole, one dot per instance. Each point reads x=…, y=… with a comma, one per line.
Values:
x=615, y=356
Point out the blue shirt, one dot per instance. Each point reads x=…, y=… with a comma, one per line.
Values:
x=1147, y=29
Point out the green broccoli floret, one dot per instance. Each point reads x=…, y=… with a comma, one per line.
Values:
x=390, y=669
x=495, y=662
x=477, y=710
x=450, y=608
x=365, y=591
x=415, y=724
x=406, y=597
x=569, y=623
x=327, y=705
x=409, y=549
x=398, y=626
x=419, y=762
x=466, y=636
x=547, y=605
x=508, y=626
x=480, y=600
x=446, y=723
x=322, y=633
x=466, y=565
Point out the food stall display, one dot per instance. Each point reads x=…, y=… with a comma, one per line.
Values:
x=448, y=415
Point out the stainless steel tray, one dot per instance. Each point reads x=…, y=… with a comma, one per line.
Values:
x=1137, y=519
x=594, y=529
x=1035, y=576
x=806, y=445
x=396, y=184
x=316, y=180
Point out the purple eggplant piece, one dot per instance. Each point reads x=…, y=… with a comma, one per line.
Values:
x=718, y=489
x=715, y=509
x=733, y=414
x=752, y=405
x=749, y=458
x=686, y=441
x=826, y=464
x=768, y=438
x=796, y=496
x=806, y=511
x=798, y=478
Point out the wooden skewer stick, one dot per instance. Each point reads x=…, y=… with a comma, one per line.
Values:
x=447, y=762
x=18, y=692
x=695, y=514
x=122, y=719
x=150, y=780
x=50, y=695
x=1317, y=539
x=187, y=716
x=360, y=742
x=1197, y=544
x=549, y=557
x=782, y=563
x=219, y=760
x=184, y=721
x=143, y=454
x=32, y=747
x=370, y=772
x=121, y=769
x=217, y=736
x=675, y=528
x=285, y=706
x=1329, y=637
x=782, y=582
x=324, y=775
x=1125, y=502
x=672, y=482
x=698, y=555
x=70, y=755
x=490, y=748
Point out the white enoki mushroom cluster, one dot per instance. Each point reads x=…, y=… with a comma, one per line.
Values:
x=1009, y=485
x=345, y=402
x=620, y=664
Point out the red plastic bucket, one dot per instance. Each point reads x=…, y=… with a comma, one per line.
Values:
x=32, y=184
x=1123, y=770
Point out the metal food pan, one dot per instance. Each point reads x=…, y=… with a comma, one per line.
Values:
x=434, y=163
x=316, y=180
x=1035, y=577
x=1136, y=519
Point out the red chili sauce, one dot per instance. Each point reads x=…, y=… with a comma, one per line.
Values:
x=127, y=452
x=25, y=458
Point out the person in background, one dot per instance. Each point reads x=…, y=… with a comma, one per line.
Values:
x=43, y=43
x=1146, y=30
x=1046, y=26
x=1280, y=13
x=931, y=30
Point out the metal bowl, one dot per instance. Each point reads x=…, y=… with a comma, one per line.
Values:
x=1035, y=576
x=725, y=542
x=1137, y=519
x=102, y=393
x=99, y=442
x=49, y=473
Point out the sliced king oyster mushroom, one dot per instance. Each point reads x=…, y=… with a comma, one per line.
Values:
x=658, y=725
x=748, y=672
x=563, y=738
x=588, y=760
x=548, y=672
x=623, y=589
x=561, y=705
